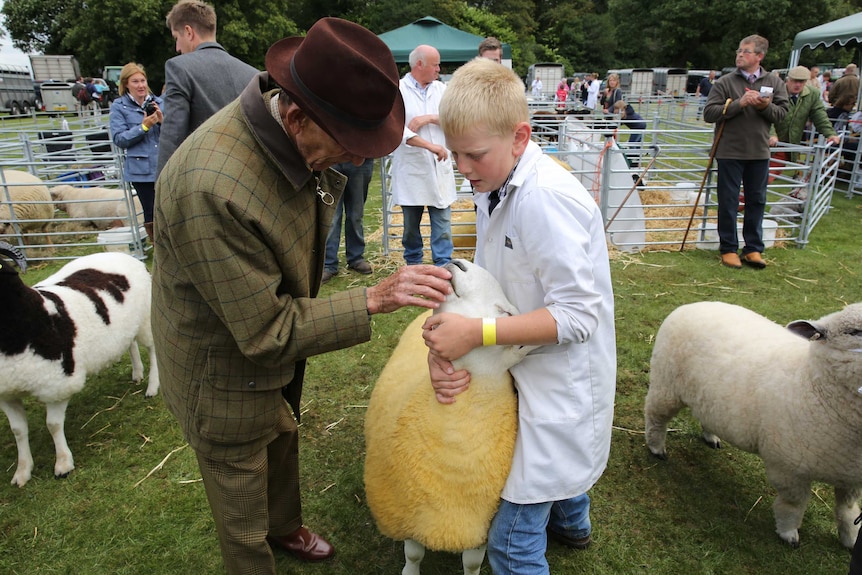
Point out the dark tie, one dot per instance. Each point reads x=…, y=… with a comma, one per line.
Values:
x=793, y=99
x=494, y=199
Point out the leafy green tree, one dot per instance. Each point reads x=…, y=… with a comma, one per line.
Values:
x=114, y=32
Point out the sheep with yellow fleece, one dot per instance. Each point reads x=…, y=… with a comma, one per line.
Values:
x=434, y=472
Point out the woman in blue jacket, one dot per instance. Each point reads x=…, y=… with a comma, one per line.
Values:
x=136, y=118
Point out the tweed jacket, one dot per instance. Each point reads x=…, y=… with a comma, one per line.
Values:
x=197, y=85
x=808, y=106
x=746, y=130
x=241, y=227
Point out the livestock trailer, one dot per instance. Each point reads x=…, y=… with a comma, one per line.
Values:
x=642, y=82
x=16, y=89
x=670, y=81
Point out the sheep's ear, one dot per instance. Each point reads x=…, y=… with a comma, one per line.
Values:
x=15, y=254
x=806, y=329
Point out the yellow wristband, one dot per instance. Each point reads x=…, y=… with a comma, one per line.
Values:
x=489, y=331
x=145, y=128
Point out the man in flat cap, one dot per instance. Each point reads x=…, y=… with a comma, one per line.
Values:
x=805, y=104
x=243, y=210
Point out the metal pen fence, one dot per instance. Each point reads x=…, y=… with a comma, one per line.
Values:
x=656, y=193
x=75, y=151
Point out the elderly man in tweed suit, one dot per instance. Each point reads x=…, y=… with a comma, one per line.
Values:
x=199, y=82
x=243, y=210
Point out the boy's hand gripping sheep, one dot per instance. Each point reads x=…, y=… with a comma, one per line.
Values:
x=799, y=407
x=434, y=472
x=66, y=327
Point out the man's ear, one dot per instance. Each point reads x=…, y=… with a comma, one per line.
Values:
x=523, y=131
x=295, y=120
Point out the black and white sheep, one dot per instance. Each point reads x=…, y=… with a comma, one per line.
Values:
x=101, y=207
x=433, y=472
x=66, y=327
x=28, y=198
x=795, y=402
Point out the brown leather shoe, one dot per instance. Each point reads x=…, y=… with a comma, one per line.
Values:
x=731, y=260
x=303, y=544
x=754, y=260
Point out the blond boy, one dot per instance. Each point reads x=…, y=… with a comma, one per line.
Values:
x=541, y=235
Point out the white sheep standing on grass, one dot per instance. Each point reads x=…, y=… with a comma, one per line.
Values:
x=66, y=327
x=794, y=399
x=102, y=207
x=433, y=472
x=31, y=203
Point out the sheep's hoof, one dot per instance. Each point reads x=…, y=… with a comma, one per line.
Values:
x=62, y=475
x=790, y=537
x=711, y=440
x=659, y=454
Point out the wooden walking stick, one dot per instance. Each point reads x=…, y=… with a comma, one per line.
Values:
x=636, y=184
x=705, y=173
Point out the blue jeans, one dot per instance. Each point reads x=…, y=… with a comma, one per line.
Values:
x=441, y=234
x=351, y=204
x=517, y=539
x=753, y=175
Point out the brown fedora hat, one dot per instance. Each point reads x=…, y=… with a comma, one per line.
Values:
x=345, y=79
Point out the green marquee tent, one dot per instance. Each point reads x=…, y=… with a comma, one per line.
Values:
x=841, y=31
x=455, y=46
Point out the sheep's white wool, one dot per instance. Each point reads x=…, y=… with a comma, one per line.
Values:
x=434, y=472
x=797, y=405
x=68, y=326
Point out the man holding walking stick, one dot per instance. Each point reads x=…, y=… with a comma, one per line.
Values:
x=743, y=105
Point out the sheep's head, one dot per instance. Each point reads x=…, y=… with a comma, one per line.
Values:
x=841, y=330
x=477, y=293
x=16, y=255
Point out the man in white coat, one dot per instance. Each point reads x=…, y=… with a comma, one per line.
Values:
x=422, y=173
x=593, y=91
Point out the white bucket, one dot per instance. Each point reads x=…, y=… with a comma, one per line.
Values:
x=681, y=191
x=119, y=239
x=710, y=237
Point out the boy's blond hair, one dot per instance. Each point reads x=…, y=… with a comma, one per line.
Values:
x=483, y=93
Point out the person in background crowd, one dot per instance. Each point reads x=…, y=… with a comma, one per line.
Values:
x=743, y=105
x=814, y=79
x=351, y=209
x=702, y=91
x=492, y=49
x=612, y=94
x=243, y=209
x=825, y=85
x=422, y=174
x=202, y=79
x=633, y=121
x=135, y=120
x=847, y=84
x=593, y=91
x=804, y=106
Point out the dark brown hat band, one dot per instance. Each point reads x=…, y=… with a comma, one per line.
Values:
x=329, y=108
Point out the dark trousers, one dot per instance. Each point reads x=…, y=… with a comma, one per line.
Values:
x=350, y=209
x=253, y=498
x=147, y=195
x=753, y=175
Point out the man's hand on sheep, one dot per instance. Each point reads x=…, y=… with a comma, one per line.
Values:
x=422, y=286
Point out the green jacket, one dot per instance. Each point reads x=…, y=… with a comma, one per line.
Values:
x=240, y=234
x=808, y=106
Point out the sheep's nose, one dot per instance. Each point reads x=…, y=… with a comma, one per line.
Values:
x=459, y=264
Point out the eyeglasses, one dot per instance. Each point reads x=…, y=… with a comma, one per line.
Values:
x=746, y=52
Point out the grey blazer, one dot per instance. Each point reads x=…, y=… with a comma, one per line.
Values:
x=197, y=85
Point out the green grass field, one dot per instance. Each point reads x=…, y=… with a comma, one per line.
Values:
x=134, y=504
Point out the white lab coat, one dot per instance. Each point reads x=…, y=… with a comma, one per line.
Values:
x=593, y=93
x=545, y=243
x=418, y=179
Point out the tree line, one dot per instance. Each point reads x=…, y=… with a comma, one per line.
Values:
x=582, y=34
